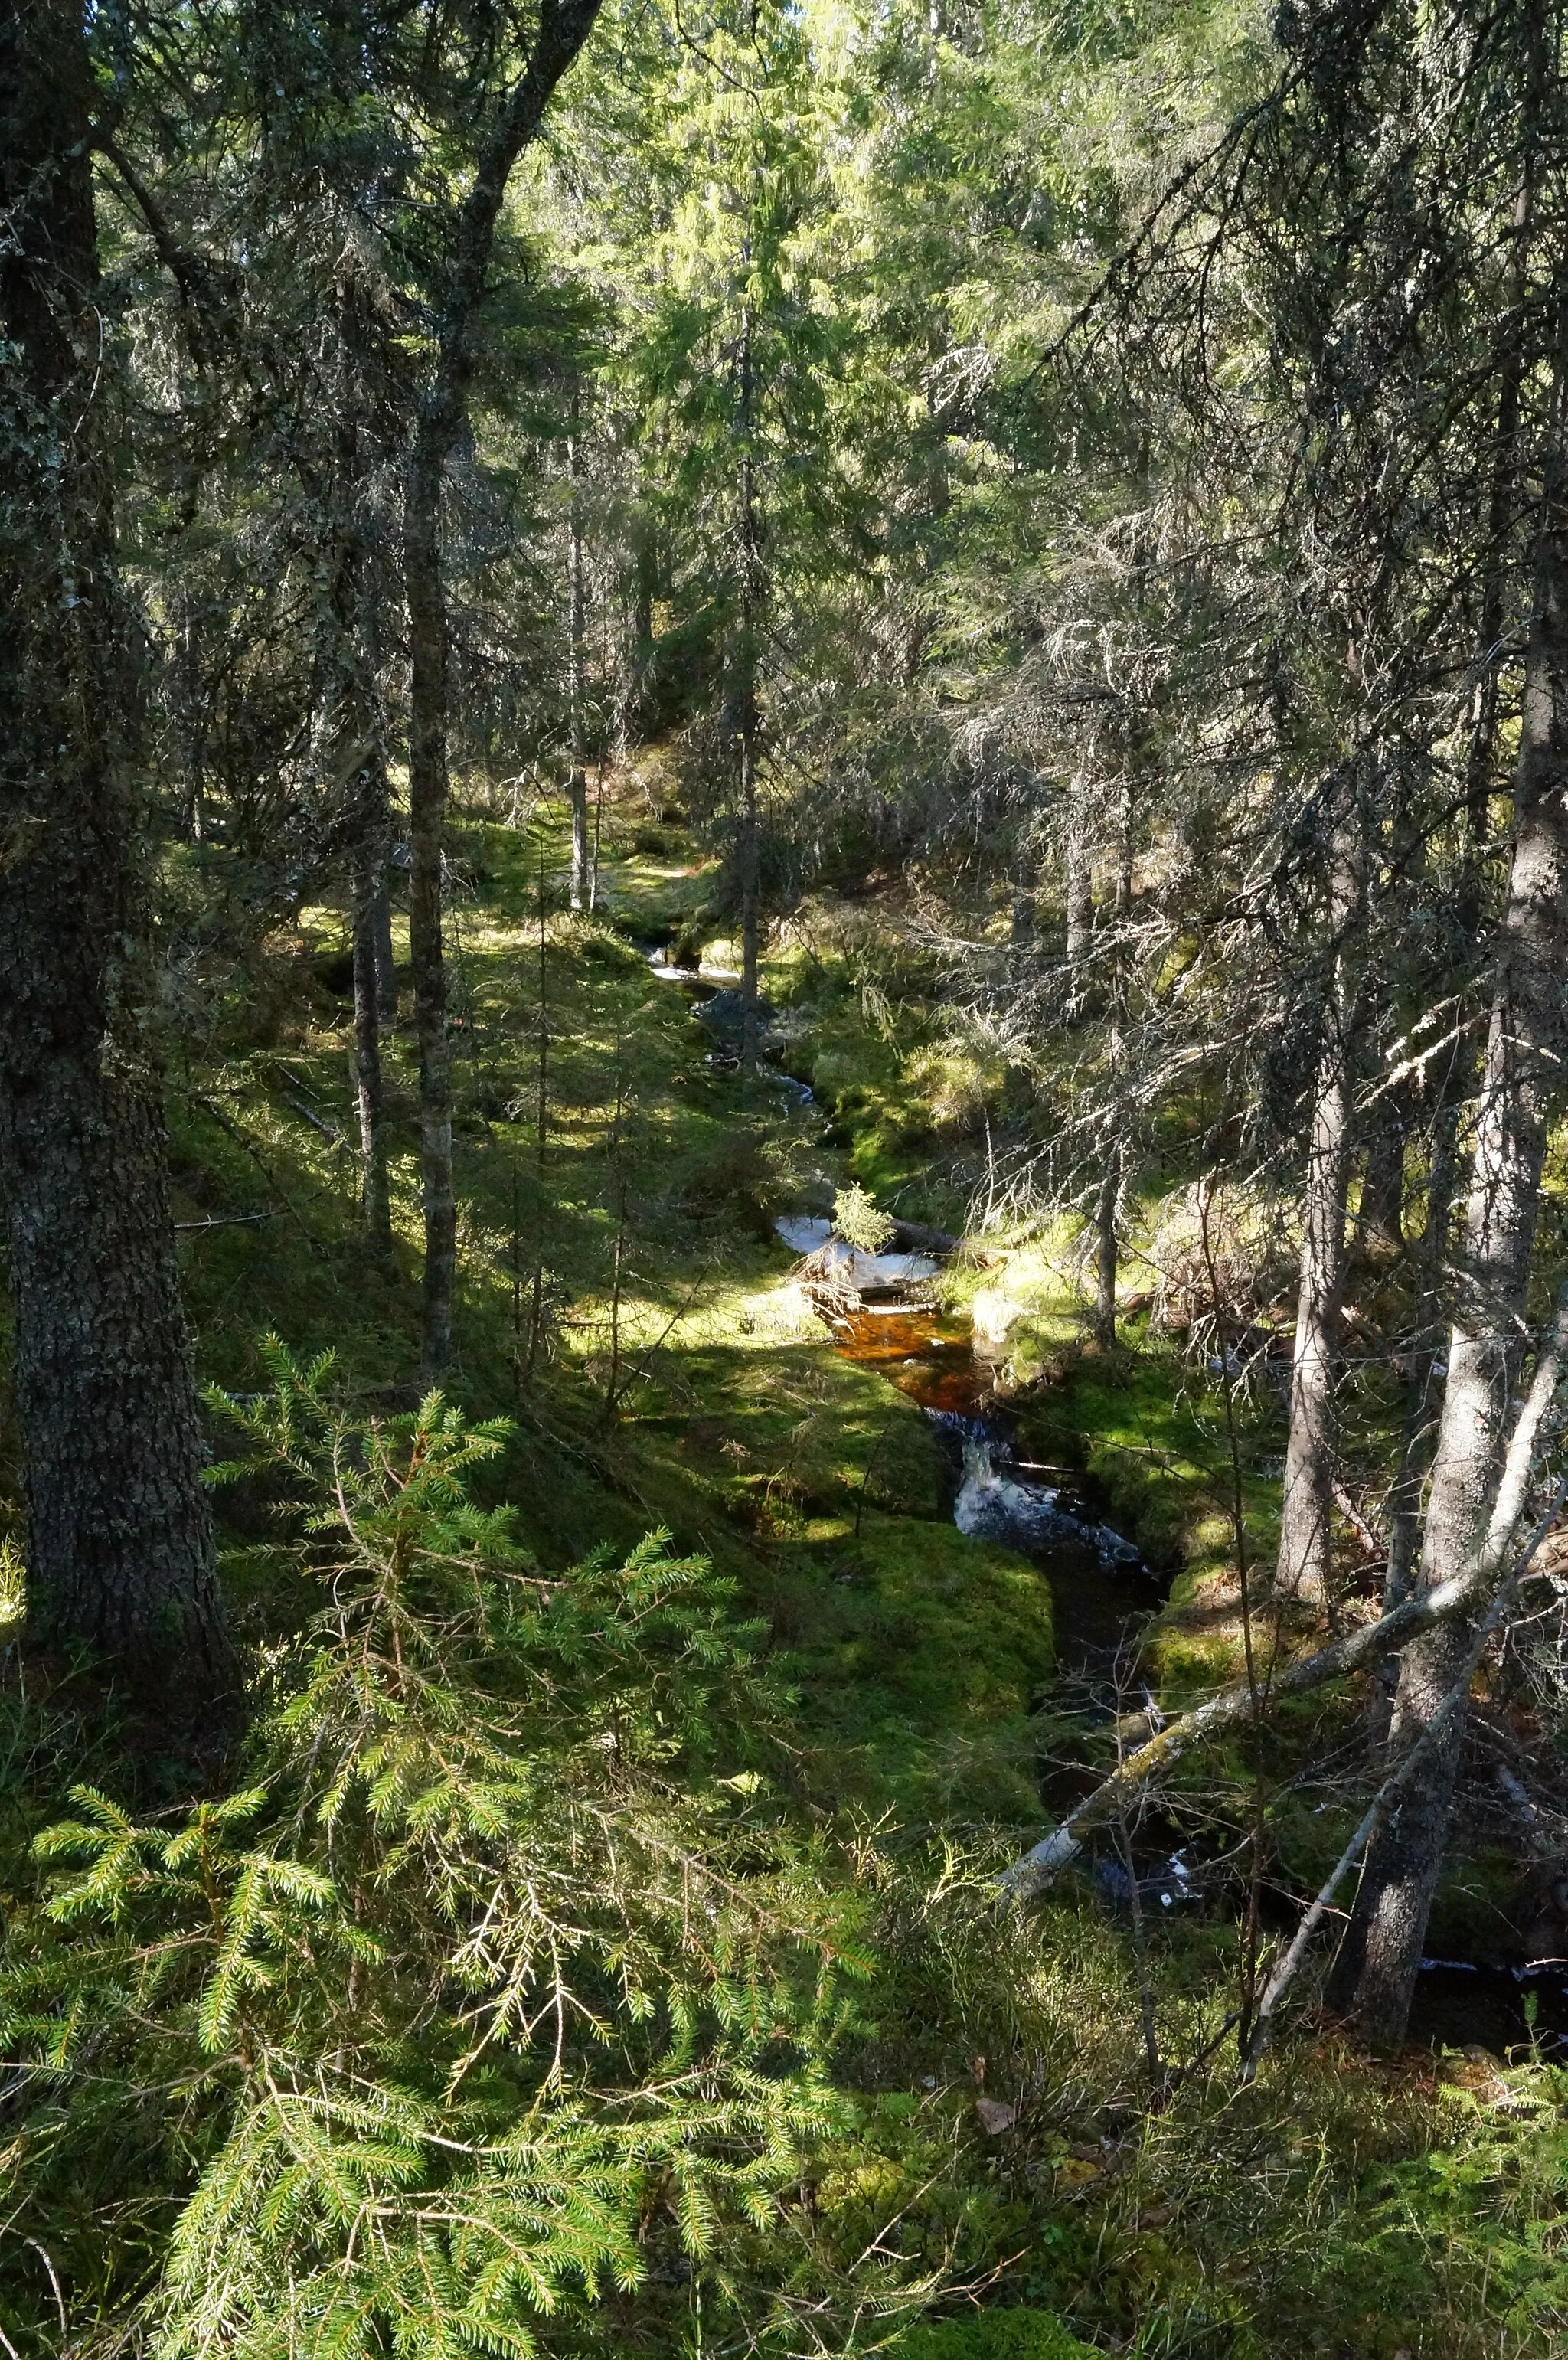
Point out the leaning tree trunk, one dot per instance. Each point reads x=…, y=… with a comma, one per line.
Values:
x=1375, y=1972
x=119, y=1537
x=577, y=785
x=1304, y=1566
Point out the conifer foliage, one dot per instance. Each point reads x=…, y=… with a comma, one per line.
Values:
x=493, y=1991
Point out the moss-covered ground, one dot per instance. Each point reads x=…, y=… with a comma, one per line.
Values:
x=622, y=1299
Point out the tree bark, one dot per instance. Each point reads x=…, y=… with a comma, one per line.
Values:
x=120, y=1554
x=563, y=26
x=1106, y=1253
x=1374, y=1976
x=1305, y=1528
x=577, y=785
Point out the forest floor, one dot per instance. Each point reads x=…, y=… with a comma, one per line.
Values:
x=625, y=1300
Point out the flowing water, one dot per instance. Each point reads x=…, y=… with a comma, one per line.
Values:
x=1102, y=1596
x=1102, y=1591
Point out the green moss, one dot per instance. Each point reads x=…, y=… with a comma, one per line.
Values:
x=994, y=2335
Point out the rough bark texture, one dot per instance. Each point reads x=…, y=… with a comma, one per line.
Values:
x=1376, y=1972
x=1305, y=1523
x=119, y=1542
x=563, y=26
x=1105, y=1255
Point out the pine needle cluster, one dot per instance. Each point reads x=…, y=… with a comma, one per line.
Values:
x=496, y=2000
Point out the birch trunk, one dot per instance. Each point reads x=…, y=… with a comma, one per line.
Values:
x=1374, y=1976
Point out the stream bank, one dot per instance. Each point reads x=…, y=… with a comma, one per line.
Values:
x=879, y=1309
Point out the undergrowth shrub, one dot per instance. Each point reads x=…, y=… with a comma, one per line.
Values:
x=495, y=1990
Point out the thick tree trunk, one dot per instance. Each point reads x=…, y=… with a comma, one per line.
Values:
x=577, y=786
x=1305, y=1528
x=1375, y=1975
x=119, y=1538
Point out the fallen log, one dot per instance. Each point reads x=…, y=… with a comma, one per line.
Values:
x=1471, y=1590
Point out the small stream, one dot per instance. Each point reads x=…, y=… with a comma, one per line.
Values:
x=1103, y=1594
x=1102, y=1591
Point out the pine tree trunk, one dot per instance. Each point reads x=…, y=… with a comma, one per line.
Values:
x=120, y=1553
x=1305, y=1527
x=1375, y=1975
x=577, y=786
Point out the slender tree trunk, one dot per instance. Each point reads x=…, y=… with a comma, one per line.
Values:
x=1375, y=1975
x=1109, y=1198
x=375, y=1198
x=577, y=785
x=1106, y=1253
x=744, y=714
x=750, y=861
x=1305, y=1533
x=1080, y=896
x=1382, y=1210
x=428, y=711
x=562, y=27
x=381, y=951
x=644, y=586
x=119, y=1538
